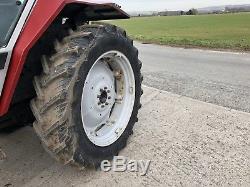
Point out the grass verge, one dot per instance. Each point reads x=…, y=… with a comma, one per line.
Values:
x=226, y=31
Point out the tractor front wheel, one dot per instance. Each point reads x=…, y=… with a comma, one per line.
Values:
x=88, y=95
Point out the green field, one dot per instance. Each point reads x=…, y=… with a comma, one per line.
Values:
x=227, y=31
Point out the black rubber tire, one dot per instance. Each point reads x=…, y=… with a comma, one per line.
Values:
x=57, y=107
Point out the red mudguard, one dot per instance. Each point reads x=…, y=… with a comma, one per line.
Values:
x=42, y=15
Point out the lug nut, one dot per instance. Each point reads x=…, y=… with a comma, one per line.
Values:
x=103, y=106
x=108, y=91
x=109, y=97
x=105, y=88
x=106, y=103
x=99, y=103
x=98, y=96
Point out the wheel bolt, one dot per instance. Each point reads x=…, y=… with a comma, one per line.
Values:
x=103, y=106
x=109, y=97
x=108, y=91
x=105, y=88
x=106, y=103
x=117, y=74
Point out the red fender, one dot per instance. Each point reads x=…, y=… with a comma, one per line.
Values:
x=42, y=15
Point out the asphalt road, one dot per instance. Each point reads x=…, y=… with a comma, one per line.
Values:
x=221, y=78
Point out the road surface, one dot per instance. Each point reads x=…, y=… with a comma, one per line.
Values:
x=221, y=78
x=190, y=143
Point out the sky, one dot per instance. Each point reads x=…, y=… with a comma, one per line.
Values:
x=151, y=5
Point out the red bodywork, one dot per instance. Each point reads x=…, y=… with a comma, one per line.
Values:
x=42, y=15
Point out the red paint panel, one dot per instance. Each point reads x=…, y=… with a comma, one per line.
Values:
x=42, y=15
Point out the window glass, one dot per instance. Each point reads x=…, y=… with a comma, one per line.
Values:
x=10, y=11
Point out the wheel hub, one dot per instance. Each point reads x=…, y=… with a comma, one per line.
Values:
x=104, y=96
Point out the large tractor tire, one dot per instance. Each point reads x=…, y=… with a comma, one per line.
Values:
x=88, y=95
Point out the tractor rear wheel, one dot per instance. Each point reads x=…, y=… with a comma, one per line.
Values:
x=88, y=95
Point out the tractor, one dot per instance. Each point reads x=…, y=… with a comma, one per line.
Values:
x=76, y=80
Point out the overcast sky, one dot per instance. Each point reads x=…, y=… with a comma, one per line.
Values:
x=148, y=5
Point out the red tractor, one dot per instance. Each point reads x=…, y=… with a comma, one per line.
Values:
x=78, y=83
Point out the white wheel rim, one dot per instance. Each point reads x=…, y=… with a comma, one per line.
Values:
x=108, y=98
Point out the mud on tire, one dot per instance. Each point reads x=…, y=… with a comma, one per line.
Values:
x=59, y=90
